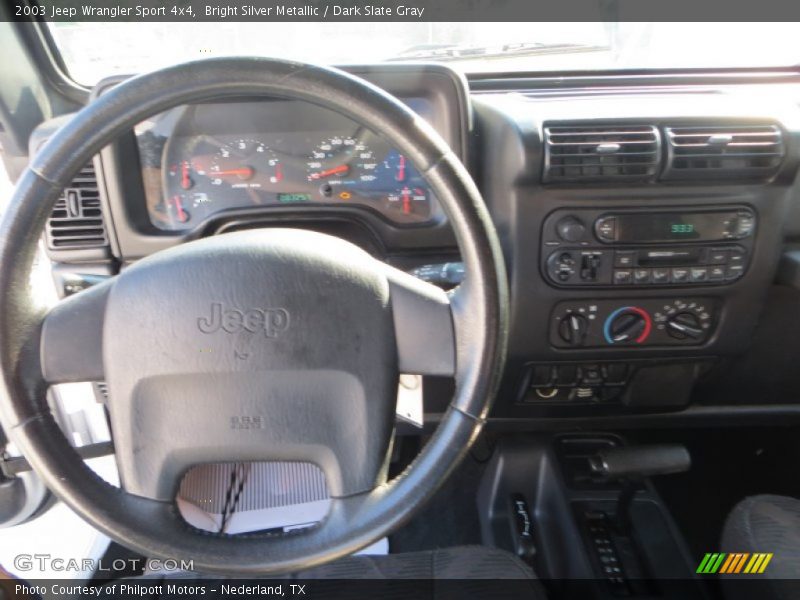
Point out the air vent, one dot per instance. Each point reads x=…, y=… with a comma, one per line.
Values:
x=77, y=218
x=740, y=152
x=601, y=153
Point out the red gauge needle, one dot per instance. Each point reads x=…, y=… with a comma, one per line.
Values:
x=186, y=183
x=278, y=173
x=182, y=216
x=329, y=172
x=401, y=169
x=406, y=201
x=244, y=172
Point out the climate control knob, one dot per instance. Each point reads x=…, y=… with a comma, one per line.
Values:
x=628, y=325
x=573, y=328
x=685, y=325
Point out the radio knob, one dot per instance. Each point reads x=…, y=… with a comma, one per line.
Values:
x=573, y=328
x=570, y=229
x=627, y=324
x=685, y=325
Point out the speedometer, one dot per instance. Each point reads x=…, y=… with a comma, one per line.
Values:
x=341, y=162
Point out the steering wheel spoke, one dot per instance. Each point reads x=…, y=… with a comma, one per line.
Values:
x=423, y=324
x=72, y=337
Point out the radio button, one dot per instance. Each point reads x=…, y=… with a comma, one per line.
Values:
x=622, y=276
x=716, y=273
x=734, y=271
x=624, y=259
x=680, y=275
x=737, y=256
x=660, y=276
x=745, y=223
x=641, y=276
x=606, y=229
x=718, y=256
x=699, y=274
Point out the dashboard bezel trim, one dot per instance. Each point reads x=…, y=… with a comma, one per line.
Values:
x=124, y=193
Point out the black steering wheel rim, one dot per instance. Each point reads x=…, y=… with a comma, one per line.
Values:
x=155, y=528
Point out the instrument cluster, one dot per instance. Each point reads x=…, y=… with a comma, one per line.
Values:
x=195, y=167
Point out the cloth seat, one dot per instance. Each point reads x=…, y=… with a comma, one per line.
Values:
x=769, y=524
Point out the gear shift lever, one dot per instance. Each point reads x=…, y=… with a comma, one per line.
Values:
x=631, y=465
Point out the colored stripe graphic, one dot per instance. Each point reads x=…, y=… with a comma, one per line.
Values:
x=734, y=563
x=727, y=564
x=740, y=563
x=703, y=564
x=764, y=564
x=711, y=563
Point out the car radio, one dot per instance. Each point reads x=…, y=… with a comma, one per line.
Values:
x=588, y=247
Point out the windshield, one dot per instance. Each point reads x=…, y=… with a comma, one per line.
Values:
x=95, y=50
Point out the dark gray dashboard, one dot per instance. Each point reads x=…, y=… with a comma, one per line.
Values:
x=642, y=227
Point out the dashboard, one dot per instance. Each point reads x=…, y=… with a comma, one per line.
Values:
x=642, y=227
x=203, y=160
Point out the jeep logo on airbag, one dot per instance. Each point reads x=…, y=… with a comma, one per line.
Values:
x=271, y=321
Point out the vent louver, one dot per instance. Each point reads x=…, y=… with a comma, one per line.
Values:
x=77, y=218
x=740, y=152
x=601, y=153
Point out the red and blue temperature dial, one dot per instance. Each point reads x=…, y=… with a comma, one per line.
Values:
x=628, y=325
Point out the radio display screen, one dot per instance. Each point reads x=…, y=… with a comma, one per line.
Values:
x=674, y=226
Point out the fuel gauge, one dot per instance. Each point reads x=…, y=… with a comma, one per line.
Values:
x=176, y=208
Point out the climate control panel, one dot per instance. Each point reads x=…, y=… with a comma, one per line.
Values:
x=642, y=322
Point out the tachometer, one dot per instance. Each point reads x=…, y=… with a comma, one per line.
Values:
x=245, y=163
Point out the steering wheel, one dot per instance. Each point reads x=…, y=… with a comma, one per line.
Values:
x=298, y=335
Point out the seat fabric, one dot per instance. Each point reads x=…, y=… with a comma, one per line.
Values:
x=771, y=524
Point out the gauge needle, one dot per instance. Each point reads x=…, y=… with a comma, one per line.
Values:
x=186, y=183
x=329, y=172
x=406, y=201
x=244, y=172
x=401, y=169
x=179, y=206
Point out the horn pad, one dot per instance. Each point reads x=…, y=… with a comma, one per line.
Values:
x=255, y=345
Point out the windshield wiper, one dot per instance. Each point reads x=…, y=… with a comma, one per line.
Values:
x=453, y=52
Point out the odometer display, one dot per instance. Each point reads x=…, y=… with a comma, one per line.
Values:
x=291, y=198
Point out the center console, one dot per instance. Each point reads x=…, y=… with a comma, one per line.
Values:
x=594, y=533
x=642, y=233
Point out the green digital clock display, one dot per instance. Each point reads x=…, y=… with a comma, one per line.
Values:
x=682, y=228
